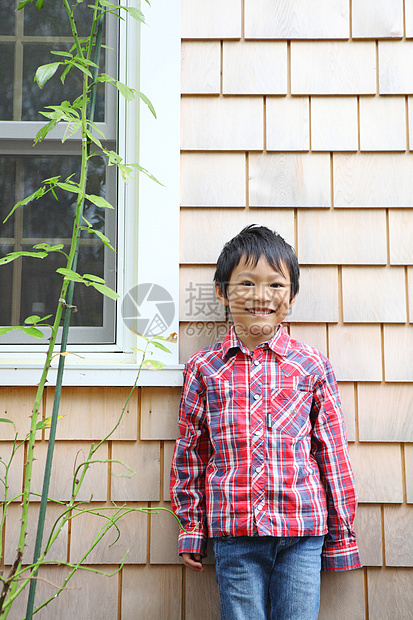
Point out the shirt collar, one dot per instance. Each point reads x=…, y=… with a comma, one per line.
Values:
x=279, y=343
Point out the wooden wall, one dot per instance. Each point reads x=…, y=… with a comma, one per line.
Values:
x=296, y=115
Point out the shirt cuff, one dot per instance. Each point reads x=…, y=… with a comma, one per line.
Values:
x=340, y=556
x=192, y=542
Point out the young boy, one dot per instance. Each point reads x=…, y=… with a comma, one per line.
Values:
x=261, y=465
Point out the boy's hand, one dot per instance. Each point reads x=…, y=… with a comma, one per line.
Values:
x=193, y=561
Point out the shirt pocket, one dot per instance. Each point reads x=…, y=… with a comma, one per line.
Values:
x=291, y=406
x=226, y=411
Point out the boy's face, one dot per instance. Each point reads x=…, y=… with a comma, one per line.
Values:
x=259, y=300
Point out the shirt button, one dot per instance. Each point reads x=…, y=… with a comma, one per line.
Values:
x=258, y=433
x=256, y=396
x=256, y=363
x=260, y=506
x=258, y=469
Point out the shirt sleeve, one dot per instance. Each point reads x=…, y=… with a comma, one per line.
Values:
x=329, y=448
x=189, y=462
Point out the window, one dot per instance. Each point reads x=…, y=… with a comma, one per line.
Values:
x=31, y=285
x=145, y=225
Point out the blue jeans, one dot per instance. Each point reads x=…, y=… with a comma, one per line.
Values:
x=268, y=577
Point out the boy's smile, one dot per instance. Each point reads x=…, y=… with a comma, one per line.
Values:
x=259, y=300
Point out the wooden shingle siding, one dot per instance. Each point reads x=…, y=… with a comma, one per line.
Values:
x=340, y=237
x=378, y=471
x=334, y=124
x=333, y=68
x=323, y=308
x=400, y=237
x=296, y=19
x=398, y=352
x=215, y=227
x=376, y=19
x=215, y=124
x=373, y=180
x=220, y=180
x=287, y=124
x=363, y=300
x=382, y=124
x=355, y=352
x=347, y=591
x=254, y=68
x=368, y=526
x=289, y=180
x=215, y=19
x=201, y=67
x=395, y=67
x=296, y=115
x=390, y=590
x=385, y=411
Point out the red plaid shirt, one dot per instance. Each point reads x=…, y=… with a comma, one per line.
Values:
x=263, y=450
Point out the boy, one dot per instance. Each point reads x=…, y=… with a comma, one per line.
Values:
x=262, y=466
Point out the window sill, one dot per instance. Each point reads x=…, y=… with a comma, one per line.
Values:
x=91, y=375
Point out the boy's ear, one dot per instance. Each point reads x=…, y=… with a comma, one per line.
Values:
x=220, y=296
x=292, y=302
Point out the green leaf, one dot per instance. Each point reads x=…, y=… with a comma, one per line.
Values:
x=147, y=101
x=105, y=240
x=45, y=72
x=71, y=129
x=93, y=139
x=89, y=276
x=37, y=194
x=6, y=420
x=108, y=4
x=82, y=68
x=32, y=320
x=13, y=255
x=46, y=423
x=104, y=77
x=153, y=365
x=99, y=201
x=33, y=331
x=42, y=133
x=160, y=346
x=39, y=4
x=49, y=248
x=105, y=290
x=59, y=53
x=70, y=187
x=125, y=91
x=135, y=13
x=65, y=72
x=68, y=274
x=148, y=174
x=22, y=4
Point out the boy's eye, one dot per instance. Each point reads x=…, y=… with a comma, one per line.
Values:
x=247, y=283
x=276, y=285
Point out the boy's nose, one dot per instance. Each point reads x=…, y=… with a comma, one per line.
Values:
x=261, y=292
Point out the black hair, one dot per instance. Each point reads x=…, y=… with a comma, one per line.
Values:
x=253, y=242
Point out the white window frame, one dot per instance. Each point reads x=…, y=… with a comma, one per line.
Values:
x=148, y=224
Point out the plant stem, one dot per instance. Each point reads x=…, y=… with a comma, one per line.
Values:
x=68, y=312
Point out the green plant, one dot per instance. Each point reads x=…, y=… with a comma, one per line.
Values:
x=78, y=114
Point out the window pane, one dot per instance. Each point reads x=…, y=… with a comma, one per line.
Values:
x=6, y=81
x=32, y=287
x=48, y=218
x=7, y=16
x=6, y=278
x=7, y=194
x=52, y=19
x=41, y=287
x=53, y=92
